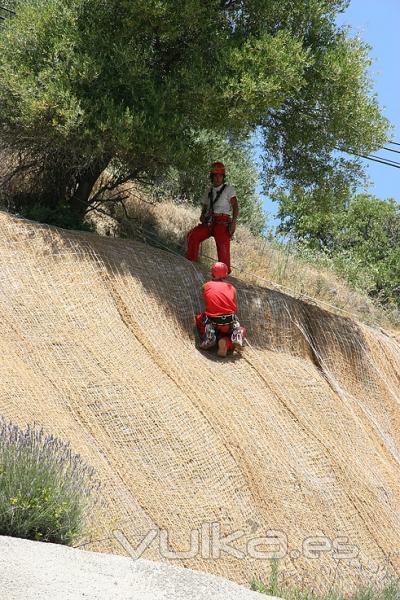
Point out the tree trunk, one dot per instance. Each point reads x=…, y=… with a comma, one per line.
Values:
x=80, y=200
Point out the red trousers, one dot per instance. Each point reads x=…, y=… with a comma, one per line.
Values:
x=220, y=232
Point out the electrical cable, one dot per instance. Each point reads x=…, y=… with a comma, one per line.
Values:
x=372, y=157
x=7, y=10
x=390, y=149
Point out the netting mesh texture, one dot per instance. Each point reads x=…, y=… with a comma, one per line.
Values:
x=300, y=436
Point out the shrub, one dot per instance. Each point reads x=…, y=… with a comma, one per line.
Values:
x=45, y=489
x=60, y=215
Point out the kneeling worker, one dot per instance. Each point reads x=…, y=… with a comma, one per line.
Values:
x=218, y=324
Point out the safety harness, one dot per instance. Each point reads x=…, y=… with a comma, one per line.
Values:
x=208, y=217
x=221, y=319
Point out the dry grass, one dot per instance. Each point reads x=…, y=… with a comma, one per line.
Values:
x=255, y=260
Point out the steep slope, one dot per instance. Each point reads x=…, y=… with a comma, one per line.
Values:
x=301, y=436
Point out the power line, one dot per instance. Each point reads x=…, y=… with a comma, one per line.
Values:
x=372, y=157
x=378, y=159
x=391, y=149
x=7, y=10
x=386, y=160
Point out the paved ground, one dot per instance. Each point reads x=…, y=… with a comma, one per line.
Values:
x=34, y=570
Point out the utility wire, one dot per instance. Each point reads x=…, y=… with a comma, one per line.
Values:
x=390, y=149
x=372, y=157
x=387, y=160
x=7, y=10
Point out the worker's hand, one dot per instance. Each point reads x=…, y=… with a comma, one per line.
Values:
x=232, y=228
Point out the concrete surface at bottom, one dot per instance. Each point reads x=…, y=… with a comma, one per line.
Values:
x=35, y=570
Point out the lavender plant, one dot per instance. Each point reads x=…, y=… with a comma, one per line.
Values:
x=46, y=491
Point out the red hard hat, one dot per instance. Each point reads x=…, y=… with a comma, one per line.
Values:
x=219, y=270
x=217, y=168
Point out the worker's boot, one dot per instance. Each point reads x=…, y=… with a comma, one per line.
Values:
x=222, y=347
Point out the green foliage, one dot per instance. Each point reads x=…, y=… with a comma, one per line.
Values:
x=272, y=588
x=368, y=239
x=361, y=236
x=45, y=490
x=60, y=215
x=9, y=4
x=310, y=215
x=135, y=85
x=334, y=108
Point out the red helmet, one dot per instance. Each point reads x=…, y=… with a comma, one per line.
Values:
x=219, y=270
x=217, y=168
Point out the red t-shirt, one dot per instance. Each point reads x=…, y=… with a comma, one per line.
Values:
x=219, y=298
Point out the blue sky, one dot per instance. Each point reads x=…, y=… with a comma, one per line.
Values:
x=377, y=22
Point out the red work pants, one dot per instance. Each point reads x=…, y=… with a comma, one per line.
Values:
x=220, y=232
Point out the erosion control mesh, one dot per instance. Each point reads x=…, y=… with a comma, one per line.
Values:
x=292, y=450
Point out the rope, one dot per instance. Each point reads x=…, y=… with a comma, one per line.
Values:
x=284, y=288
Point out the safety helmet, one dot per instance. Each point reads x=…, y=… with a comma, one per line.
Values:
x=217, y=168
x=219, y=270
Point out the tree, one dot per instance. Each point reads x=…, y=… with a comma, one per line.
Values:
x=9, y=5
x=368, y=237
x=361, y=236
x=138, y=86
x=310, y=216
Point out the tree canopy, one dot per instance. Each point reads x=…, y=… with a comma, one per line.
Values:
x=360, y=235
x=141, y=86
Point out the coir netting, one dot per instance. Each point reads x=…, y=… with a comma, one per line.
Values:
x=291, y=451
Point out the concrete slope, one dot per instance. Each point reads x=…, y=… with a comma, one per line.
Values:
x=291, y=451
x=37, y=571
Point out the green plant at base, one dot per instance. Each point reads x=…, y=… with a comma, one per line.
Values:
x=390, y=590
x=272, y=589
x=46, y=491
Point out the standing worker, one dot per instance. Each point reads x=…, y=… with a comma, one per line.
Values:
x=219, y=214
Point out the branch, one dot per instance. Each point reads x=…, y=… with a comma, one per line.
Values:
x=17, y=171
x=104, y=212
